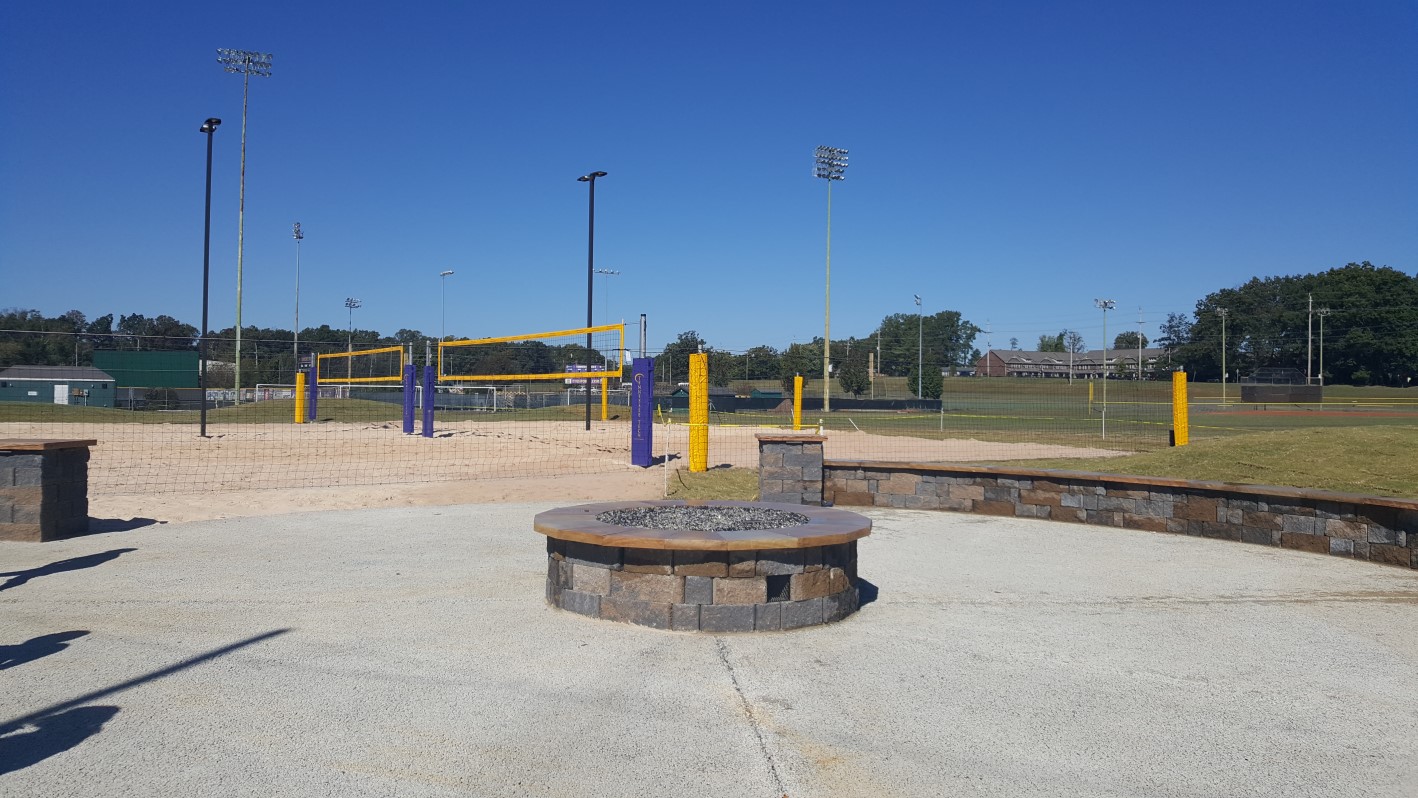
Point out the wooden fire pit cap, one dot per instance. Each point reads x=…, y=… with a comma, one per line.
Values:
x=825, y=526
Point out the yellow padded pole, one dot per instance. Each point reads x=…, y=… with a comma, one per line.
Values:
x=698, y=412
x=605, y=402
x=299, y=397
x=797, y=402
x=1181, y=418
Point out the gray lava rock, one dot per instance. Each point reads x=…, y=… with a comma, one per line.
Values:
x=702, y=519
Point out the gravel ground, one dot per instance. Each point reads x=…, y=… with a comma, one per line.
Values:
x=409, y=652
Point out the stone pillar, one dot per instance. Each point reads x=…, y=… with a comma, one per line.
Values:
x=790, y=469
x=44, y=489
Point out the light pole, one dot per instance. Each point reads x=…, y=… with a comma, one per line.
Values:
x=919, y=339
x=295, y=341
x=351, y=303
x=209, y=127
x=1105, y=305
x=831, y=164
x=246, y=63
x=443, y=325
x=1322, y=312
x=1223, y=312
x=590, y=278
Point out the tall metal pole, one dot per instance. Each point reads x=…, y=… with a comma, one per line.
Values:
x=1309, y=338
x=831, y=164
x=246, y=63
x=1139, y=343
x=443, y=325
x=590, y=278
x=607, y=273
x=1105, y=305
x=1322, y=312
x=295, y=339
x=919, y=358
x=1223, y=312
x=209, y=127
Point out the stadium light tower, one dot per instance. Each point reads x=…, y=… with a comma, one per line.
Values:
x=830, y=164
x=1105, y=305
x=590, y=279
x=209, y=127
x=245, y=63
x=443, y=325
x=351, y=303
x=919, y=340
x=295, y=340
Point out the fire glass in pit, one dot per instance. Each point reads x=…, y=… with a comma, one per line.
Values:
x=704, y=566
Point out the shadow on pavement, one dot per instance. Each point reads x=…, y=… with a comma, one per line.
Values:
x=53, y=734
x=18, y=578
x=37, y=648
x=867, y=591
x=39, y=735
x=101, y=525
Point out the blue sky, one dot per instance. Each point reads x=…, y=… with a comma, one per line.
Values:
x=1010, y=160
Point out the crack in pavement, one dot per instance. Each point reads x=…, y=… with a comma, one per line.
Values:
x=752, y=717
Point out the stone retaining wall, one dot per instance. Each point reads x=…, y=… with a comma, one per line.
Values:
x=790, y=469
x=1378, y=529
x=704, y=591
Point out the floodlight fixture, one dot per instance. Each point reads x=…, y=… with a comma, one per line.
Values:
x=210, y=126
x=245, y=62
x=831, y=163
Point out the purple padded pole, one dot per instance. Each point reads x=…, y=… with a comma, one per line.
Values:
x=410, y=385
x=642, y=423
x=313, y=386
x=428, y=401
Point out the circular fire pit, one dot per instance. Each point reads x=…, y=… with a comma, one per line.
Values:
x=704, y=566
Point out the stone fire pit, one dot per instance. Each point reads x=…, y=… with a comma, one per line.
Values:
x=704, y=566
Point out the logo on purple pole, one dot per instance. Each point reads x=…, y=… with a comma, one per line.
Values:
x=642, y=426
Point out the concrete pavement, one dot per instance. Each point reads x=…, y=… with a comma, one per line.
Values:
x=409, y=652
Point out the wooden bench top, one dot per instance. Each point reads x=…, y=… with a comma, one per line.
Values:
x=42, y=444
x=826, y=526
